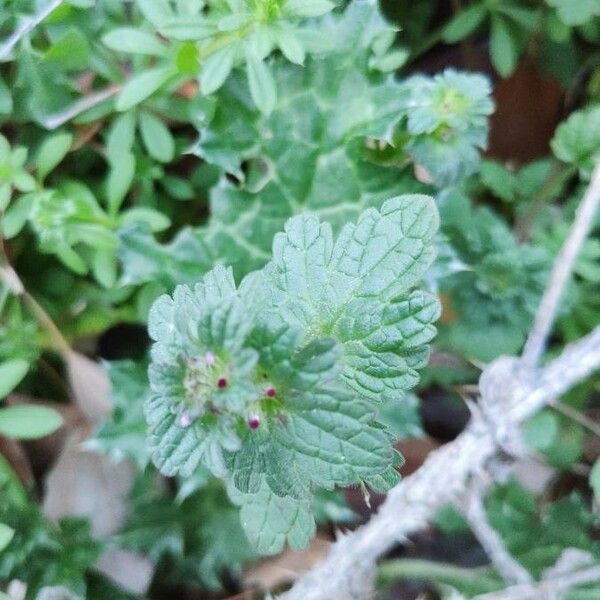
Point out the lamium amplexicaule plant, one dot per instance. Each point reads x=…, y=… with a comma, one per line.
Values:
x=274, y=385
x=289, y=204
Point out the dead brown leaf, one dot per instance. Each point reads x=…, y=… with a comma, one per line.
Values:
x=90, y=386
x=284, y=569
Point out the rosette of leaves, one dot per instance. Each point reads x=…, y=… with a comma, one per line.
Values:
x=274, y=385
x=446, y=123
x=498, y=290
x=304, y=156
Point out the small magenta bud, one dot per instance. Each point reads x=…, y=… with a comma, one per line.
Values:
x=222, y=383
x=270, y=392
x=254, y=422
x=185, y=420
x=209, y=359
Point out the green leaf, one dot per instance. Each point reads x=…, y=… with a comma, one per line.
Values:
x=71, y=51
x=6, y=101
x=104, y=266
x=270, y=521
x=307, y=8
x=141, y=86
x=577, y=140
x=123, y=433
x=216, y=68
x=261, y=83
x=155, y=220
x=156, y=11
x=576, y=13
x=290, y=45
x=120, y=178
x=156, y=137
x=595, y=479
x=499, y=180
x=343, y=289
x=16, y=215
x=120, y=137
x=28, y=422
x=186, y=28
x=51, y=152
x=503, y=46
x=464, y=23
x=541, y=430
x=134, y=41
x=6, y=535
x=11, y=374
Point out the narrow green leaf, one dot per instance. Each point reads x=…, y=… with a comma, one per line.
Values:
x=187, y=28
x=104, y=266
x=156, y=137
x=51, y=152
x=6, y=101
x=28, y=422
x=16, y=215
x=216, y=69
x=141, y=86
x=156, y=11
x=156, y=220
x=11, y=374
x=261, y=83
x=120, y=137
x=308, y=8
x=134, y=41
x=290, y=45
x=464, y=23
x=119, y=181
x=503, y=47
x=6, y=535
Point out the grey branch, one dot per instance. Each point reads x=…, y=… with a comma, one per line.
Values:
x=511, y=570
x=511, y=391
x=547, y=588
x=563, y=266
x=26, y=26
x=348, y=571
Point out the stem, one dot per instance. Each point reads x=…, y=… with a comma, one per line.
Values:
x=12, y=281
x=545, y=589
x=557, y=177
x=26, y=27
x=511, y=570
x=578, y=417
x=563, y=266
x=80, y=106
x=480, y=579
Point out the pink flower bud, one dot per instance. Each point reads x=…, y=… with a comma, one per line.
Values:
x=254, y=422
x=270, y=392
x=222, y=383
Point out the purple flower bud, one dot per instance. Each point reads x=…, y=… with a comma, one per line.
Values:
x=222, y=383
x=185, y=420
x=209, y=358
x=254, y=422
x=270, y=392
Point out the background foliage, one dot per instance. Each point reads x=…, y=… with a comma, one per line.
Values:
x=151, y=144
